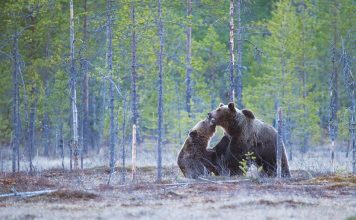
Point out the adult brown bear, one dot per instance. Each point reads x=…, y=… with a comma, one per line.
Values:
x=194, y=159
x=248, y=134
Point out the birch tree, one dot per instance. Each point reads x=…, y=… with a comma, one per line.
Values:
x=239, y=58
x=111, y=87
x=160, y=93
x=231, y=48
x=134, y=98
x=73, y=89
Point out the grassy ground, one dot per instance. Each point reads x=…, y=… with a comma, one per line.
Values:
x=86, y=195
x=318, y=189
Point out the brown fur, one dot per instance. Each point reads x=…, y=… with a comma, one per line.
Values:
x=194, y=159
x=248, y=134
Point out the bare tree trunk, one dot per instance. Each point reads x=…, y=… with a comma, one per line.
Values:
x=350, y=86
x=160, y=94
x=94, y=137
x=123, y=142
x=135, y=114
x=109, y=66
x=178, y=114
x=189, y=57
x=303, y=75
x=73, y=89
x=16, y=104
x=133, y=152
x=32, y=128
x=100, y=114
x=279, y=148
x=1, y=161
x=45, y=123
x=86, y=125
x=231, y=47
x=239, y=58
x=333, y=126
x=61, y=144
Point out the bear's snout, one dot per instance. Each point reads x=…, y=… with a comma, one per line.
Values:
x=212, y=121
x=209, y=115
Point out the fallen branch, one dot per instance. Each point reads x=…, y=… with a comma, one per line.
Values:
x=224, y=181
x=27, y=194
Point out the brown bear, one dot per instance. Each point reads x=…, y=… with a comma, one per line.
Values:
x=248, y=134
x=194, y=159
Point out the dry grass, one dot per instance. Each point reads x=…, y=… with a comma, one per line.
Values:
x=85, y=195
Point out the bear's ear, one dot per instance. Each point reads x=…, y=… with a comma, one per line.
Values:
x=248, y=113
x=231, y=106
x=193, y=133
x=221, y=105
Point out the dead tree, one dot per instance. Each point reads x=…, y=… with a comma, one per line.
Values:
x=239, y=58
x=133, y=153
x=333, y=88
x=16, y=103
x=85, y=98
x=32, y=128
x=160, y=94
x=45, y=123
x=111, y=86
x=73, y=89
x=123, y=142
x=231, y=47
x=279, y=149
x=188, y=58
x=350, y=87
x=134, y=98
x=61, y=144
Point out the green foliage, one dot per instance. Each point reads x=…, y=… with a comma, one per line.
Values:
x=249, y=157
x=293, y=67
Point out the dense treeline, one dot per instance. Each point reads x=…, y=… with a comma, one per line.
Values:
x=287, y=50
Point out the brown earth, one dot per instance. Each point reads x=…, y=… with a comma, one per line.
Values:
x=86, y=195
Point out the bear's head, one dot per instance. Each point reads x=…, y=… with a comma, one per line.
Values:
x=203, y=129
x=228, y=116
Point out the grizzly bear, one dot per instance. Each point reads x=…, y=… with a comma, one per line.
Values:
x=194, y=159
x=248, y=134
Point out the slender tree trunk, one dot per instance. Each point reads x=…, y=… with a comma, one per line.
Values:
x=1, y=161
x=135, y=114
x=231, y=47
x=350, y=85
x=333, y=126
x=61, y=144
x=101, y=115
x=239, y=58
x=32, y=128
x=123, y=143
x=189, y=58
x=178, y=114
x=279, y=143
x=86, y=124
x=16, y=103
x=304, y=89
x=160, y=93
x=109, y=66
x=94, y=136
x=73, y=90
x=45, y=123
x=133, y=153
x=288, y=133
